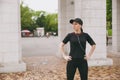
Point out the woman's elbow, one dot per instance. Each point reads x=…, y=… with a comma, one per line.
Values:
x=61, y=45
x=94, y=46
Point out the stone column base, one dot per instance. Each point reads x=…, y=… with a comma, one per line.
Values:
x=12, y=67
x=100, y=62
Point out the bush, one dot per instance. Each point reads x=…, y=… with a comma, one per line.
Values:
x=109, y=32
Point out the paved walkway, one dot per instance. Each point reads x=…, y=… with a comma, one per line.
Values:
x=40, y=46
x=45, y=46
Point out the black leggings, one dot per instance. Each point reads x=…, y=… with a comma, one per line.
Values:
x=82, y=66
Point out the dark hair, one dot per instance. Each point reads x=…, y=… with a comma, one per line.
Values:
x=78, y=20
x=81, y=29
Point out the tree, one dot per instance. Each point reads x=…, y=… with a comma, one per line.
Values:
x=41, y=20
x=48, y=21
x=52, y=22
x=26, y=18
x=109, y=14
x=31, y=19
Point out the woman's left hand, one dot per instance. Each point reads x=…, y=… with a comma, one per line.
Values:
x=87, y=57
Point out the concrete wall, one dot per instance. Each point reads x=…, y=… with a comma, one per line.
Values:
x=93, y=13
x=116, y=25
x=66, y=12
x=10, y=40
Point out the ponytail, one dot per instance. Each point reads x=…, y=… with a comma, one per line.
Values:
x=81, y=29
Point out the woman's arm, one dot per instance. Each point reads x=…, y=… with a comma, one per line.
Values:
x=90, y=52
x=63, y=52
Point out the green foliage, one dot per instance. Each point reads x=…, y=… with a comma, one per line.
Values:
x=51, y=23
x=109, y=14
x=26, y=18
x=109, y=32
x=41, y=21
x=31, y=19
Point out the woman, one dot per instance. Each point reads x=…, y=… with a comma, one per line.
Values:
x=77, y=57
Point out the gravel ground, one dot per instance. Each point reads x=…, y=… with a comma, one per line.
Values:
x=53, y=68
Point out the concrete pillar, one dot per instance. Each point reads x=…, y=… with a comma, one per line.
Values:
x=66, y=12
x=10, y=40
x=93, y=14
x=116, y=25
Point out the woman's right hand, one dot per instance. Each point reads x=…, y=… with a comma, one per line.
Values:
x=67, y=58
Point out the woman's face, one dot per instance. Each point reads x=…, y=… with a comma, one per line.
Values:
x=76, y=26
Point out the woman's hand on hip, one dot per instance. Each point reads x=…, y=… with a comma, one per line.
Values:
x=87, y=57
x=67, y=58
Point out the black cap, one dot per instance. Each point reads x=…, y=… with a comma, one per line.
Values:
x=78, y=20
